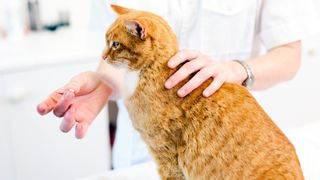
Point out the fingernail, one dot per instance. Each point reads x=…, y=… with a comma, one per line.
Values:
x=41, y=109
x=168, y=84
x=78, y=131
x=170, y=64
x=63, y=127
x=182, y=93
x=206, y=93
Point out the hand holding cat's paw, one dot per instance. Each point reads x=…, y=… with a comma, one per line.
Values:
x=204, y=67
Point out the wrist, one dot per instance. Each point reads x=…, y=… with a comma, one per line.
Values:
x=113, y=78
x=238, y=73
x=248, y=82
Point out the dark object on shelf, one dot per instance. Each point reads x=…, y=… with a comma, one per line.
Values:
x=54, y=27
x=34, y=15
x=64, y=21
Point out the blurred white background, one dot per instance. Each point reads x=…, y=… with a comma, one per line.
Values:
x=33, y=63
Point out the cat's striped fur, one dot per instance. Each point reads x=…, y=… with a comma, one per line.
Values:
x=225, y=136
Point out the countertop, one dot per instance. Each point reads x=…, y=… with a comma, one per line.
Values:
x=45, y=48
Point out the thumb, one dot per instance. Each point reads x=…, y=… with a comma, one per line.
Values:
x=73, y=86
x=82, y=84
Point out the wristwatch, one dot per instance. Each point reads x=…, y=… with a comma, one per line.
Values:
x=250, y=77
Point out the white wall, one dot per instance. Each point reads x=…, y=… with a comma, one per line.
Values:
x=296, y=102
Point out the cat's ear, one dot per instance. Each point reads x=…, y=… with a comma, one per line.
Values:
x=119, y=9
x=136, y=28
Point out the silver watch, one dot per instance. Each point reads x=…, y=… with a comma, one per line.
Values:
x=250, y=78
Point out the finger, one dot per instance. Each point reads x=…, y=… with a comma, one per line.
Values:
x=184, y=72
x=68, y=121
x=182, y=56
x=83, y=120
x=214, y=86
x=195, y=82
x=64, y=104
x=81, y=129
x=47, y=105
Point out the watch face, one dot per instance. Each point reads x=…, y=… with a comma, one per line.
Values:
x=249, y=82
x=250, y=78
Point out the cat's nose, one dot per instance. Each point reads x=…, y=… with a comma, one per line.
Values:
x=105, y=57
x=106, y=54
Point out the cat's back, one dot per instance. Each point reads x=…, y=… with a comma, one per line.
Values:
x=229, y=136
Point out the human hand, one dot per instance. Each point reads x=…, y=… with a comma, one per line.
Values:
x=78, y=102
x=206, y=68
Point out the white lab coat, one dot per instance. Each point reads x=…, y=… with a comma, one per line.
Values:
x=223, y=29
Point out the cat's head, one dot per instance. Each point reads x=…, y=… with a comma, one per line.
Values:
x=136, y=38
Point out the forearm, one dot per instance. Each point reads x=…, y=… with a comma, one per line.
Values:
x=278, y=65
x=112, y=77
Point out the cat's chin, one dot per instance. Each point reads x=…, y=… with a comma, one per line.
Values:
x=119, y=65
x=124, y=66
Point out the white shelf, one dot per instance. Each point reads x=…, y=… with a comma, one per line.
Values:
x=45, y=48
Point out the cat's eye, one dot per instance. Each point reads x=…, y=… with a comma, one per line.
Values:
x=115, y=45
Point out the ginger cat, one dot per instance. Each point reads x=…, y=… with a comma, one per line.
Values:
x=225, y=136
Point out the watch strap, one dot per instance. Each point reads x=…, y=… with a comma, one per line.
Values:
x=248, y=82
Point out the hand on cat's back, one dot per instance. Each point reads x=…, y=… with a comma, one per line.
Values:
x=204, y=67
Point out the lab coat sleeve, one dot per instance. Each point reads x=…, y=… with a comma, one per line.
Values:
x=285, y=21
x=101, y=17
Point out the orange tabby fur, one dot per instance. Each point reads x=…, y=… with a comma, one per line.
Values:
x=225, y=136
